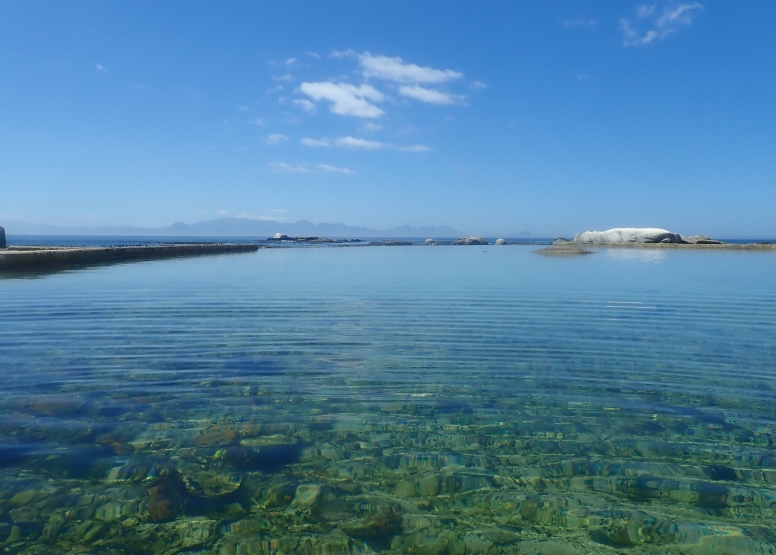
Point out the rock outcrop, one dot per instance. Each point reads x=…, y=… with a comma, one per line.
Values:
x=389, y=243
x=501, y=242
x=429, y=241
x=470, y=241
x=3, y=244
x=700, y=240
x=629, y=235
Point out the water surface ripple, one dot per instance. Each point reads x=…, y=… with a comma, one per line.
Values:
x=452, y=400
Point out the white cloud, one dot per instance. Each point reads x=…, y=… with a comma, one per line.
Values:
x=646, y=10
x=257, y=121
x=222, y=212
x=276, y=139
x=275, y=89
x=371, y=127
x=353, y=142
x=346, y=100
x=305, y=104
x=658, y=27
x=280, y=210
x=414, y=148
x=314, y=55
x=100, y=68
x=478, y=85
x=326, y=168
x=291, y=61
x=246, y=216
x=396, y=69
x=315, y=142
x=284, y=77
x=359, y=143
x=430, y=96
x=283, y=167
x=587, y=22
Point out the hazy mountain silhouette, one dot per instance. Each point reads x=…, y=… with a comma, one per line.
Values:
x=234, y=227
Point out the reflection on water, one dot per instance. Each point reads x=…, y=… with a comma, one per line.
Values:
x=431, y=401
x=635, y=254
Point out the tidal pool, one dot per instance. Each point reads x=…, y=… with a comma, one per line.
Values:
x=427, y=400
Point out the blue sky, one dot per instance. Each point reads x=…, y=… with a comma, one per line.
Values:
x=491, y=117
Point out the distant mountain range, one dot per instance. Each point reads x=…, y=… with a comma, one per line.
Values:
x=234, y=227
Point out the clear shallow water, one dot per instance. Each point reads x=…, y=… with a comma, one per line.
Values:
x=405, y=400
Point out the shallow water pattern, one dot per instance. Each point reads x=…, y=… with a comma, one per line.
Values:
x=451, y=400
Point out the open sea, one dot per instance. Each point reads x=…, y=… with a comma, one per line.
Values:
x=419, y=400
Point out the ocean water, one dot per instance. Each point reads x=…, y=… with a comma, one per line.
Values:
x=425, y=400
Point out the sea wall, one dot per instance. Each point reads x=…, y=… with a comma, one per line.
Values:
x=20, y=258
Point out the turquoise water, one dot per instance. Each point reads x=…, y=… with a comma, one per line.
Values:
x=429, y=400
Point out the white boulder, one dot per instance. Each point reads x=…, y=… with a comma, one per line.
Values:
x=629, y=235
x=501, y=242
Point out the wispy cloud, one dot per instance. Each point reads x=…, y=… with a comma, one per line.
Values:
x=653, y=25
x=346, y=100
x=430, y=96
x=359, y=143
x=585, y=22
x=291, y=61
x=100, y=68
x=284, y=77
x=370, y=127
x=274, y=89
x=279, y=210
x=396, y=69
x=478, y=85
x=582, y=77
x=315, y=142
x=276, y=139
x=305, y=104
x=244, y=109
x=257, y=121
x=283, y=167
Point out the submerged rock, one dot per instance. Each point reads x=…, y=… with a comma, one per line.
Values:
x=306, y=495
x=194, y=532
x=563, y=249
x=629, y=235
x=472, y=240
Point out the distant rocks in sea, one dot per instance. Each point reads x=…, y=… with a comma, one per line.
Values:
x=470, y=241
x=280, y=237
x=621, y=235
x=389, y=243
x=3, y=243
x=502, y=242
x=429, y=241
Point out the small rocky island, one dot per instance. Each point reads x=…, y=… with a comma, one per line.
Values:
x=640, y=237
